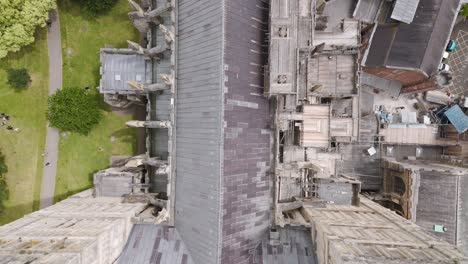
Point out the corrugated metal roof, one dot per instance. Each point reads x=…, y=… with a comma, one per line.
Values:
x=458, y=119
x=404, y=10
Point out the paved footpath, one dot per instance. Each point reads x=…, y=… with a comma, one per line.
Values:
x=52, y=138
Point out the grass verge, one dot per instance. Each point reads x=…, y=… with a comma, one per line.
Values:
x=27, y=109
x=80, y=156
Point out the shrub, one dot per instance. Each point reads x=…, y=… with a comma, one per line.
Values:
x=464, y=10
x=4, y=193
x=18, y=78
x=93, y=8
x=74, y=110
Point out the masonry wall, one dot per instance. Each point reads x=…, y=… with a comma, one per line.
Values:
x=198, y=127
x=406, y=77
x=429, y=85
x=246, y=192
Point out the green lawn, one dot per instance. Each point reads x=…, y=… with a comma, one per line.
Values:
x=79, y=156
x=27, y=109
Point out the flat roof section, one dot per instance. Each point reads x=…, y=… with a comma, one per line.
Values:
x=346, y=34
x=316, y=126
x=336, y=73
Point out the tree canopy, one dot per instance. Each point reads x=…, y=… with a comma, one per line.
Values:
x=464, y=10
x=93, y=8
x=18, y=78
x=18, y=21
x=74, y=110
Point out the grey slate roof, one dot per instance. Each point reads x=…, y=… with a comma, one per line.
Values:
x=246, y=193
x=118, y=69
x=418, y=45
x=156, y=244
x=404, y=10
x=222, y=194
x=198, y=127
x=160, y=104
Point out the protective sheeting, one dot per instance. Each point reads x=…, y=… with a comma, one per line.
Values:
x=404, y=10
x=458, y=119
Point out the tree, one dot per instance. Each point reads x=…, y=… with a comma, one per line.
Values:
x=18, y=78
x=18, y=21
x=464, y=10
x=93, y=8
x=74, y=109
x=4, y=193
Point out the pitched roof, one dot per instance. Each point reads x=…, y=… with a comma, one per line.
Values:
x=367, y=10
x=121, y=66
x=159, y=244
x=418, y=45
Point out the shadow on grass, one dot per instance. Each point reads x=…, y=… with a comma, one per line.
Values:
x=127, y=135
x=39, y=34
x=68, y=193
x=18, y=90
x=9, y=214
x=78, y=8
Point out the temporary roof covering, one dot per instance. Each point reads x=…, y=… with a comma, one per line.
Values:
x=458, y=119
x=404, y=10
